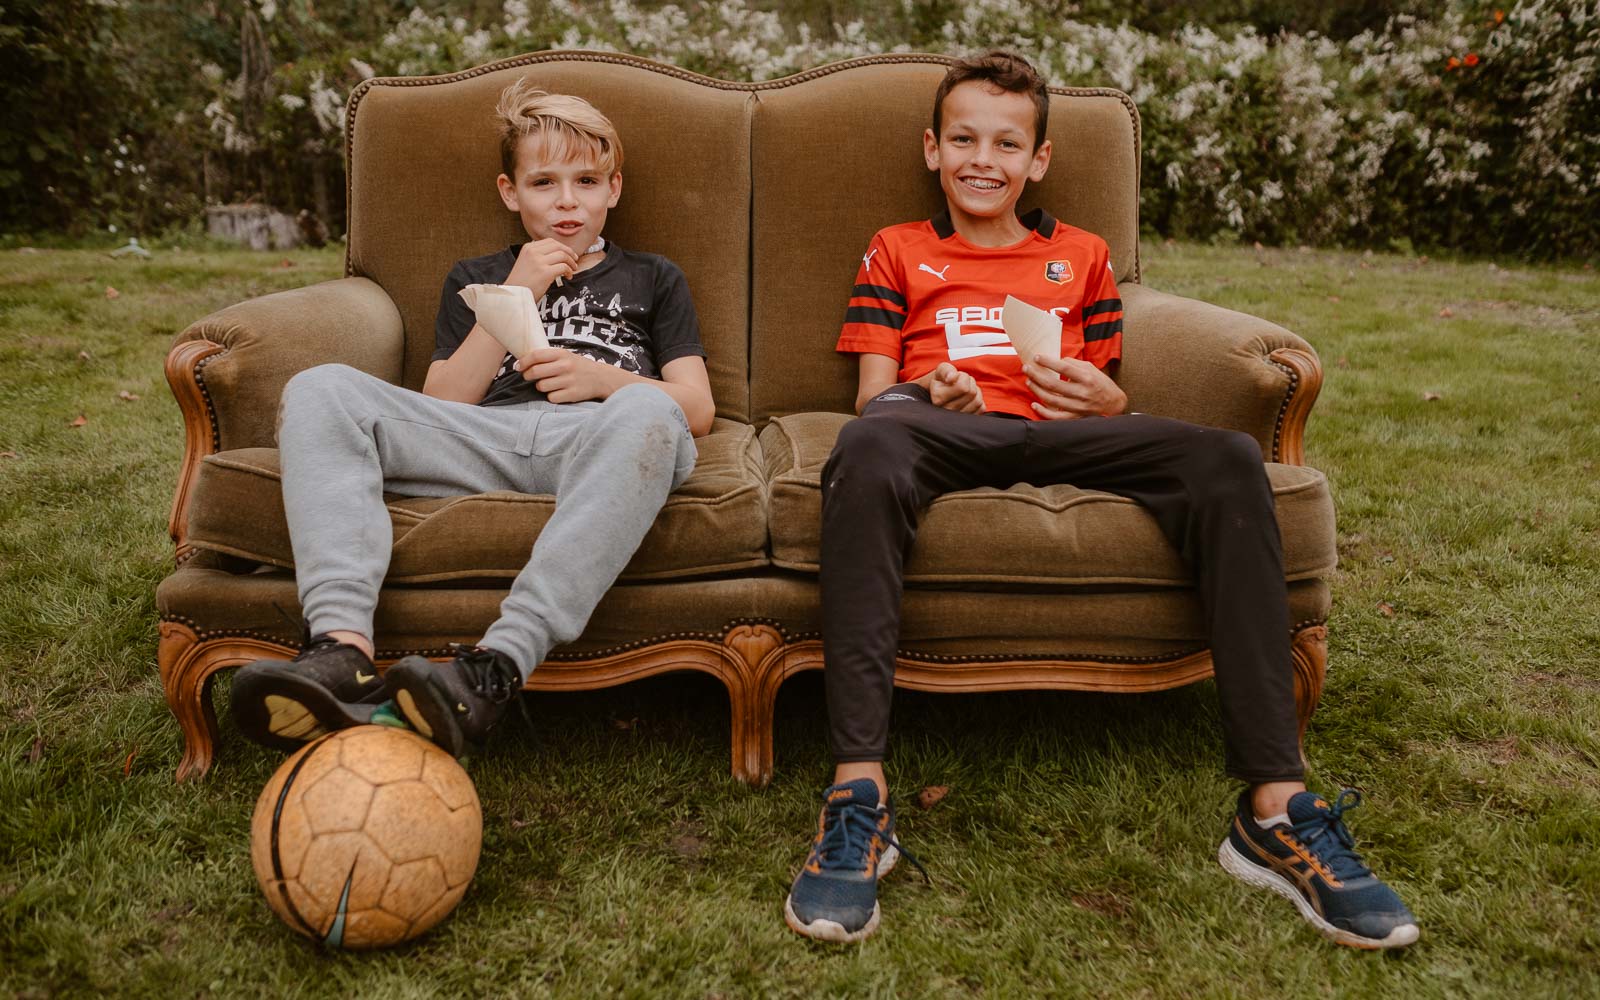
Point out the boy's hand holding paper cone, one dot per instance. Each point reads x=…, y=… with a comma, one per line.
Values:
x=509, y=314
x=1031, y=329
x=1067, y=387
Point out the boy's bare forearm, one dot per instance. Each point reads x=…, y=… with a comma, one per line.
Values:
x=465, y=376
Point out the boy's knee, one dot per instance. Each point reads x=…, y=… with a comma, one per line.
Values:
x=637, y=403
x=871, y=443
x=872, y=456
x=322, y=380
x=1231, y=466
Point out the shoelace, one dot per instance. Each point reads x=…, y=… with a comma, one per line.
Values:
x=847, y=838
x=1326, y=836
x=483, y=671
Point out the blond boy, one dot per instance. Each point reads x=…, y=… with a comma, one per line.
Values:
x=604, y=418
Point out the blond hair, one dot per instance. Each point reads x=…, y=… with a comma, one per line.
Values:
x=570, y=127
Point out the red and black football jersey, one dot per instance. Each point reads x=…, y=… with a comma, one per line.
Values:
x=925, y=295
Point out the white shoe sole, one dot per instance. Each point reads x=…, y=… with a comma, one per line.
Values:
x=830, y=930
x=1239, y=867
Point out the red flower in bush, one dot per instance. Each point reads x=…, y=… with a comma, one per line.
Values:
x=1452, y=64
x=1499, y=16
x=1472, y=59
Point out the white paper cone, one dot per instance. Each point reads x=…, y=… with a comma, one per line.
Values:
x=1031, y=329
x=509, y=314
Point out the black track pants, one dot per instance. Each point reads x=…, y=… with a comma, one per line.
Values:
x=1206, y=488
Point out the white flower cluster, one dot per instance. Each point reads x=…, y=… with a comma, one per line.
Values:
x=1285, y=136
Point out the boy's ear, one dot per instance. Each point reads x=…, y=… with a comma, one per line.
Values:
x=1041, y=162
x=508, y=191
x=930, y=148
x=616, y=190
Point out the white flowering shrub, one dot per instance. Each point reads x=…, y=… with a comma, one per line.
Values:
x=1476, y=128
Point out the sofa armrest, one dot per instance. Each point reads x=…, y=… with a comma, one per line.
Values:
x=228, y=369
x=1208, y=365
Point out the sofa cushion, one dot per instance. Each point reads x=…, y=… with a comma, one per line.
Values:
x=1037, y=535
x=714, y=522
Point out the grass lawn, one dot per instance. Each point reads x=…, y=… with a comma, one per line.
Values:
x=1074, y=854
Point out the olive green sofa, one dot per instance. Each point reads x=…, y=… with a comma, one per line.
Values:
x=765, y=194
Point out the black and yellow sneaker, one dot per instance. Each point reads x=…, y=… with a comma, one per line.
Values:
x=455, y=704
x=1311, y=861
x=285, y=703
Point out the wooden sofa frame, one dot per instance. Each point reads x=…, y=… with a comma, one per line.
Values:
x=752, y=658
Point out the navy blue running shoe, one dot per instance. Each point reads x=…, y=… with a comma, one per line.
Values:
x=1312, y=862
x=835, y=896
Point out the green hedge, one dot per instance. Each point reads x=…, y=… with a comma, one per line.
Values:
x=1475, y=129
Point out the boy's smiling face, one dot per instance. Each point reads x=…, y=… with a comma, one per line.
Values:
x=565, y=200
x=985, y=154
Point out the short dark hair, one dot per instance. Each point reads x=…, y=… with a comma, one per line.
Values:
x=1006, y=70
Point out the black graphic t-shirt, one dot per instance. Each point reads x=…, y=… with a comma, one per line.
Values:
x=631, y=310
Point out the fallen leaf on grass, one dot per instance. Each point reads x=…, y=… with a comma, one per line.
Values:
x=1386, y=609
x=1343, y=362
x=85, y=356
x=1431, y=397
x=1334, y=298
x=126, y=396
x=8, y=454
x=127, y=764
x=36, y=752
x=1446, y=312
x=112, y=293
x=932, y=796
x=286, y=262
x=79, y=421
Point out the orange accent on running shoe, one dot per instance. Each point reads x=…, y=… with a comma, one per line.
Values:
x=1315, y=862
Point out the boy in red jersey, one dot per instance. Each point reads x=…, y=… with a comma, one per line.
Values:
x=947, y=405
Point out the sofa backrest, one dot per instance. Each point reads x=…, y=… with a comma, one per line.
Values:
x=423, y=157
x=838, y=156
x=766, y=194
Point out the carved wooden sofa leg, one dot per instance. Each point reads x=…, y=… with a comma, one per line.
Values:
x=758, y=647
x=188, y=666
x=1309, y=652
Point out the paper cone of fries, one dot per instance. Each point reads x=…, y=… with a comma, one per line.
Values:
x=509, y=313
x=1031, y=329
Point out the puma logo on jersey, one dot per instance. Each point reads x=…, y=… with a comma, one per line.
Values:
x=866, y=260
x=937, y=274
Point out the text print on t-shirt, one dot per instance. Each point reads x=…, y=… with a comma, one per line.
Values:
x=577, y=320
x=987, y=336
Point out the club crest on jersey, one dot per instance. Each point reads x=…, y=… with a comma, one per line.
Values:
x=1058, y=271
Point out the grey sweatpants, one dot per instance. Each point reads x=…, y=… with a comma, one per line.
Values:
x=346, y=437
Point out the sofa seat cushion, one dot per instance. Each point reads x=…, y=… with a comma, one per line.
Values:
x=1028, y=535
x=715, y=522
